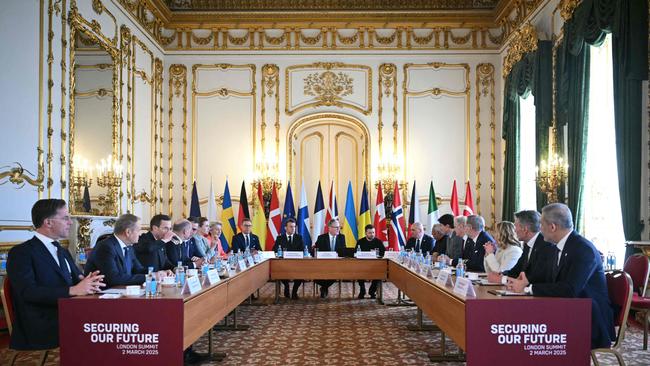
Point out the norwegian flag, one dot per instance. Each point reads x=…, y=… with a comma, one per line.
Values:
x=396, y=238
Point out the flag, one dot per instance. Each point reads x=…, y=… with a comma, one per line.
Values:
x=244, y=213
x=289, y=210
x=212, y=205
x=319, y=215
x=380, y=218
x=349, y=224
x=454, y=200
x=86, y=200
x=275, y=220
x=469, y=201
x=432, y=211
x=303, y=217
x=396, y=239
x=195, y=209
x=228, y=219
x=259, y=219
x=364, y=213
x=414, y=210
x=332, y=208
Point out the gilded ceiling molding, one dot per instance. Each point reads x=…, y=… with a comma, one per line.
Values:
x=524, y=40
x=485, y=89
x=177, y=89
x=328, y=5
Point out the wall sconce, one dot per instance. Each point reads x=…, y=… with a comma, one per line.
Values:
x=109, y=176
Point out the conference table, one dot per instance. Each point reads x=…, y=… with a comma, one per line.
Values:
x=486, y=327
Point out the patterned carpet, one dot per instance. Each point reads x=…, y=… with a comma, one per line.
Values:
x=312, y=331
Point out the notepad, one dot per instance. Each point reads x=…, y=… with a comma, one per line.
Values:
x=507, y=293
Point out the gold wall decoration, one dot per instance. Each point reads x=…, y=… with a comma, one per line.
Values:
x=271, y=88
x=524, y=40
x=177, y=89
x=567, y=7
x=80, y=25
x=83, y=232
x=328, y=87
x=387, y=86
x=100, y=93
x=126, y=50
x=158, y=108
x=436, y=92
x=223, y=92
x=50, y=107
x=485, y=89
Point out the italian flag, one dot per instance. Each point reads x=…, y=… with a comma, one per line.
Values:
x=432, y=212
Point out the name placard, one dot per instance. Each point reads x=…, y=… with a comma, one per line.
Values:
x=464, y=287
x=293, y=255
x=444, y=278
x=366, y=255
x=192, y=285
x=268, y=254
x=250, y=261
x=327, y=255
x=391, y=255
x=242, y=264
x=258, y=258
x=211, y=278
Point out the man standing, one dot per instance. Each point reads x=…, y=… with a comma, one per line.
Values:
x=246, y=239
x=419, y=241
x=368, y=243
x=474, y=252
x=181, y=249
x=538, y=258
x=150, y=248
x=41, y=272
x=332, y=241
x=114, y=255
x=579, y=273
x=291, y=241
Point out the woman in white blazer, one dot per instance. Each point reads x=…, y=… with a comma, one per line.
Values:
x=508, y=249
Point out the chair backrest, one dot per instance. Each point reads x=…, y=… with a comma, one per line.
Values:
x=638, y=267
x=619, y=288
x=7, y=302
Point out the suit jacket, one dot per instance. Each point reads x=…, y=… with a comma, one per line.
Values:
x=323, y=244
x=182, y=253
x=151, y=252
x=455, y=247
x=109, y=259
x=239, y=244
x=368, y=245
x=426, y=244
x=539, y=267
x=297, y=245
x=474, y=252
x=441, y=245
x=580, y=274
x=37, y=283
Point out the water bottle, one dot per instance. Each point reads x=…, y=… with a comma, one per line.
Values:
x=180, y=274
x=3, y=262
x=441, y=262
x=358, y=250
x=613, y=261
x=153, y=289
x=81, y=256
x=280, y=254
x=147, y=286
x=305, y=252
x=204, y=269
x=427, y=259
x=460, y=269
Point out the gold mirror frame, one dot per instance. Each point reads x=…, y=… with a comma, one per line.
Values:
x=92, y=31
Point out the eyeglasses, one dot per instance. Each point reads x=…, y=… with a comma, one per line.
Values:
x=335, y=227
x=248, y=225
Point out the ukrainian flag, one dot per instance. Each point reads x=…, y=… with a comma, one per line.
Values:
x=364, y=213
x=349, y=224
x=227, y=217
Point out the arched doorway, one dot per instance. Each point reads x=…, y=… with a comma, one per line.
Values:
x=328, y=147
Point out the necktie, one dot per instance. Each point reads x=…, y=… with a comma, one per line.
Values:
x=127, y=260
x=186, y=248
x=247, y=241
x=417, y=245
x=526, y=256
x=556, y=263
x=333, y=243
x=62, y=262
x=290, y=237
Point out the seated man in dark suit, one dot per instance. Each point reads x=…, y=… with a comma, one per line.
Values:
x=438, y=233
x=333, y=241
x=368, y=243
x=419, y=241
x=291, y=241
x=246, y=239
x=114, y=256
x=579, y=273
x=41, y=272
x=538, y=258
x=474, y=252
x=181, y=248
x=150, y=248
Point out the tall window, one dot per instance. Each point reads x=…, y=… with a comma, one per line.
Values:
x=527, y=191
x=602, y=218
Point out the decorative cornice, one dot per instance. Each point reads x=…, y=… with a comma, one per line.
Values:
x=523, y=41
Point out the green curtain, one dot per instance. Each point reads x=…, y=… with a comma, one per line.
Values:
x=573, y=107
x=627, y=20
x=510, y=134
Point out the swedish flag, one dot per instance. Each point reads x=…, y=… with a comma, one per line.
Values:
x=227, y=217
